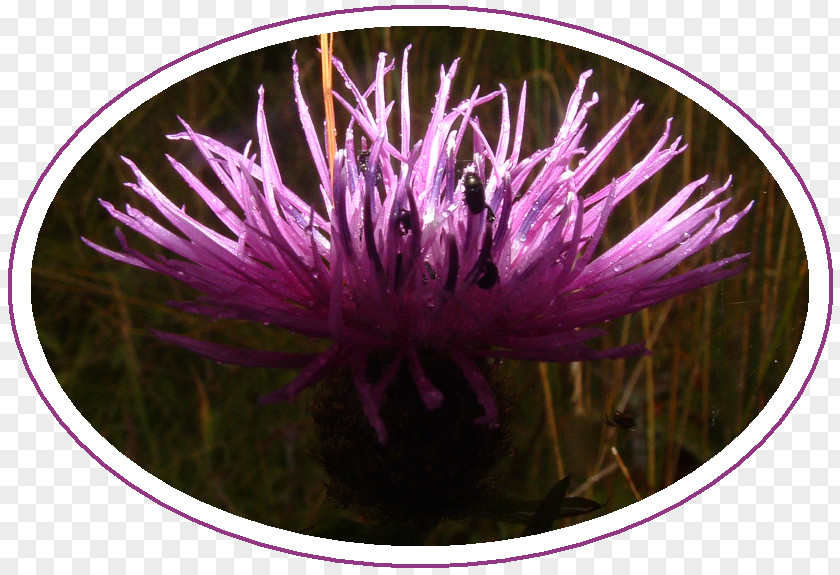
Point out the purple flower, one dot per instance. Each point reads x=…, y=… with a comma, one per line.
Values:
x=417, y=255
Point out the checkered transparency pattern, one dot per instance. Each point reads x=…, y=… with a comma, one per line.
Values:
x=61, y=512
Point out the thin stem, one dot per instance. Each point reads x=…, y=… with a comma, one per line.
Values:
x=593, y=480
x=626, y=473
x=551, y=420
x=329, y=110
x=133, y=369
x=650, y=392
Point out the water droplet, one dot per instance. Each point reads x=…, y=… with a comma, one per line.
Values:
x=617, y=268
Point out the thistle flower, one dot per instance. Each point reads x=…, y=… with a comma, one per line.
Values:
x=413, y=259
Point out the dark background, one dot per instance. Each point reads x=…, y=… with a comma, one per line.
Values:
x=718, y=354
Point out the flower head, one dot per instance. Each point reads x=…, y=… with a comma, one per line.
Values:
x=498, y=259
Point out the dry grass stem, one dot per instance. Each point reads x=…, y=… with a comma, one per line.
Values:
x=626, y=473
x=329, y=110
x=551, y=421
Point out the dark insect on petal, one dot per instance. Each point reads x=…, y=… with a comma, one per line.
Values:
x=473, y=192
x=363, y=162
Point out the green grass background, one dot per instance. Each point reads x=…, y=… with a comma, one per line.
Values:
x=718, y=354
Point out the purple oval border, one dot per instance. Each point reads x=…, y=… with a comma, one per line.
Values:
x=424, y=7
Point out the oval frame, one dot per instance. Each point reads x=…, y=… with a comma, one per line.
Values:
x=802, y=368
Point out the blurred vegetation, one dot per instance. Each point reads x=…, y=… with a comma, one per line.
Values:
x=719, y=353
